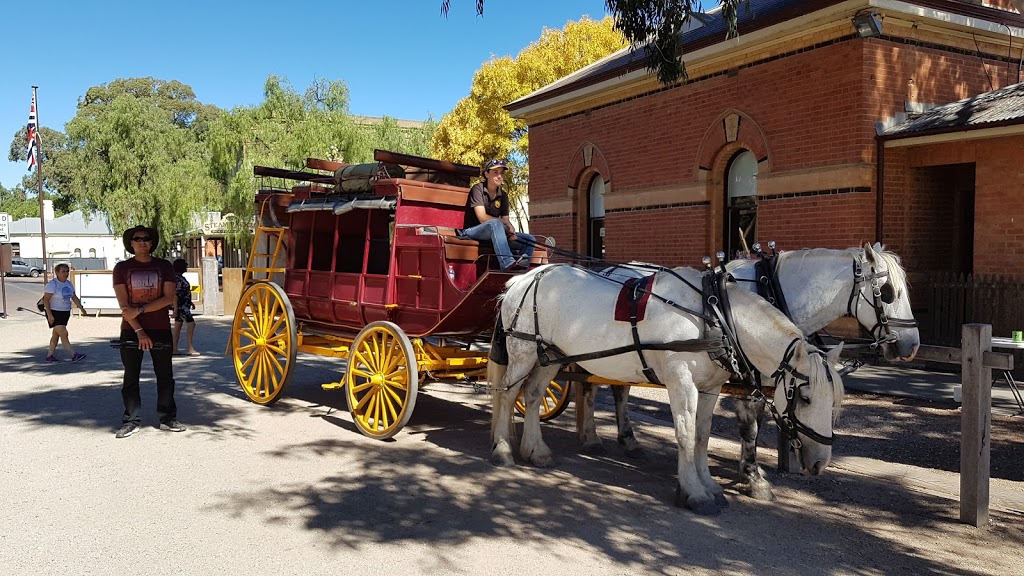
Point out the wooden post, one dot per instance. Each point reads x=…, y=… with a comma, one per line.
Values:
x=975, y=424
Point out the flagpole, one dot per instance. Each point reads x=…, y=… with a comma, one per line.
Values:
x=39, y=175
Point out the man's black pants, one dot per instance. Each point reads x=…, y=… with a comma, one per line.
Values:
x=131, y=357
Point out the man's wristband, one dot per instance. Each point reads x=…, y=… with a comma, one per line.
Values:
x=137, y=330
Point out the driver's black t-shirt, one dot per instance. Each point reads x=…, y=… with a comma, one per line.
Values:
x=495, y=207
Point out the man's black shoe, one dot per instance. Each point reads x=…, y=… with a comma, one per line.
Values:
x=172, y=426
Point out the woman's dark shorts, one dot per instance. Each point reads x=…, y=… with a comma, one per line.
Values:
x=60, y=317
x=184, y=315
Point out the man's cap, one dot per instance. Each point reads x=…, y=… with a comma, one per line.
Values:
x=496, y=163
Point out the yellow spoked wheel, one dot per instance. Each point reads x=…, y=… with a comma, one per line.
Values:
x=263, y=342
x=552, y=404
x=382, y=380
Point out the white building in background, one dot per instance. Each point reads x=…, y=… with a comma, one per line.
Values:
x=69, y=236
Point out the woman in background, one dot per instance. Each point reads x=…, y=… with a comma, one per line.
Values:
x=183, y=308
x=58, y=295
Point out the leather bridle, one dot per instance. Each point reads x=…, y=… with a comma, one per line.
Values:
x=882, y=293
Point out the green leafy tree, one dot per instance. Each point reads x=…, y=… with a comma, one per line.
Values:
x=19, y=203
x=287, y=128
x=479, y=127
x=656, y=26
x=137, y=151
x=54, y=146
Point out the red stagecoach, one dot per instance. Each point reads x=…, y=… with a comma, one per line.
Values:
x=362, y=262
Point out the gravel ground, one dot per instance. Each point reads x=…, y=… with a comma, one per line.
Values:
x=294, y=489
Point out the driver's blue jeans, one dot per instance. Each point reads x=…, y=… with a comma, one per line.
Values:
x=494, y=230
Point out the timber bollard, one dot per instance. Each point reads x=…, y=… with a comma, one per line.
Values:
x=975, y=424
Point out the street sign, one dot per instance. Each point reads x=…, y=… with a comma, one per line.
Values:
x=5, y=227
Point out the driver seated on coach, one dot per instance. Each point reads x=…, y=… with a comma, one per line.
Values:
x=487, y=219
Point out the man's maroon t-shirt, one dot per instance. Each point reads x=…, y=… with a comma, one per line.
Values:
x=144, y=282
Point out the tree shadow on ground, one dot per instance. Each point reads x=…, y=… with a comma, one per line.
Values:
x=621, y=509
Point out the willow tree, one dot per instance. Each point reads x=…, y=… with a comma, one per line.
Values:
x=479, y=127
x=136, y=152
x=287, y=128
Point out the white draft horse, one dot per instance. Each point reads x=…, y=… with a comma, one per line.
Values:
x=571, y=309
x=818, y=286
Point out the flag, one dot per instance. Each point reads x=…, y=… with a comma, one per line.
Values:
x=32, y=133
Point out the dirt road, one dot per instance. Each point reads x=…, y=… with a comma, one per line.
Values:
x=294, y=489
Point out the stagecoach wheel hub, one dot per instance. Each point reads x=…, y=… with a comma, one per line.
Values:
x=382, y=380
x=264, y=342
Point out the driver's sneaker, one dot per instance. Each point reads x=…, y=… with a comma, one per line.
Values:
x=51, y=360
x=172, y=426
x=127, y=430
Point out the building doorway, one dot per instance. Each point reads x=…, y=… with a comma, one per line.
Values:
x=740, y=222
x=595, y=217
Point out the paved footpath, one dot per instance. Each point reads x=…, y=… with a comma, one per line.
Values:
x=294, y=489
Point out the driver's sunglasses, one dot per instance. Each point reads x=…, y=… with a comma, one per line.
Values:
x=141, y=239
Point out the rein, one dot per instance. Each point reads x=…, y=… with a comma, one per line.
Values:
x=548, y=354
x=790, y=386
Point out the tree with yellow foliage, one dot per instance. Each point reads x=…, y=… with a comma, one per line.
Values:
x=479, y=127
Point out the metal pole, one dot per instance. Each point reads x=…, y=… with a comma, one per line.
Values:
x=39, y=174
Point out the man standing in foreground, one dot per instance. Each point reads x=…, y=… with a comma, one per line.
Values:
x=144, y=286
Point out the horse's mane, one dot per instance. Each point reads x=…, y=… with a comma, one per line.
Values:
x=778, y=320
x=822, y=373
x=897, y=274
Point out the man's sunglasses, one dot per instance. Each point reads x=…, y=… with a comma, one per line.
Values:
x=141, y=239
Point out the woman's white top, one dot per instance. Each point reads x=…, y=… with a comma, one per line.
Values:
x=62, y=293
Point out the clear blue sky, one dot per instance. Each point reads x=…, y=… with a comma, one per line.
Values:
x=400, y=58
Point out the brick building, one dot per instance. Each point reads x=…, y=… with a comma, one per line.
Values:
x=800, y=130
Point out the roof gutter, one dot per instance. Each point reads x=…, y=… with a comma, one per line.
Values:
x=999, y=129
x=781, y=23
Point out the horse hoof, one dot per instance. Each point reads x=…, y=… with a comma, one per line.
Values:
x=721, y=501
x=594, y=449
x=636, y=453
x=543, y=462
x=703, y=507
x=761, y=491
x=500, y=459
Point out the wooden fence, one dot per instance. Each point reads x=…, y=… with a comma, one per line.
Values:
x=944, y=301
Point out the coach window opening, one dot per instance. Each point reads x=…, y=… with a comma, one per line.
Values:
x=740, y=225
x=595, y=218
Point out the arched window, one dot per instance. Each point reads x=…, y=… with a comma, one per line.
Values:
x=595, y=218
x=92, y=252
x=77, y=253
x=740, y=204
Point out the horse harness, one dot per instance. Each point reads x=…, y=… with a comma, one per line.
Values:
x=548, y=354
x=881, y=293
x=722, y=346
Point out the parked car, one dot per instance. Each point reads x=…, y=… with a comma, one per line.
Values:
x=20, y=268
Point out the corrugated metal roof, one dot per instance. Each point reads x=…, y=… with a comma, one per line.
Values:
x=1003, y=106
x=73, y=224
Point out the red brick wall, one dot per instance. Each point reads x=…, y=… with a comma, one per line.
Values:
x=824, y=221
x=999, y=207
x=816, y=108
x=669, y=237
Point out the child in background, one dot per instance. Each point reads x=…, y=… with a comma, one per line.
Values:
x=183, y=308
